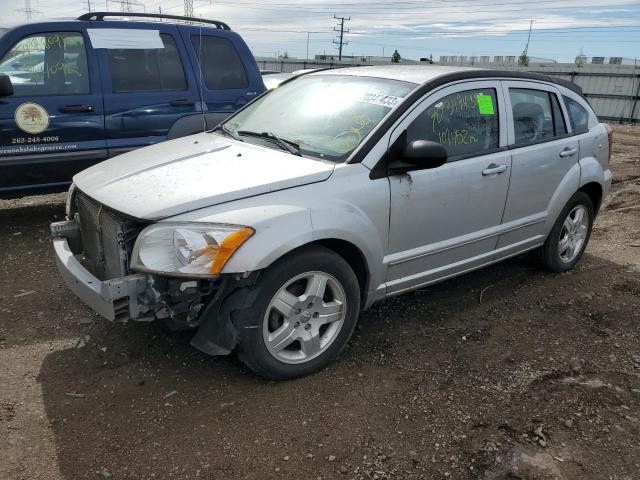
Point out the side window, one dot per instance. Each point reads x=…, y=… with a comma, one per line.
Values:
x=147, y=70
x=532, y=115
x=559, y=125
x=578, y=115
x=47, y=64
x=221, y=65
x=466, y=123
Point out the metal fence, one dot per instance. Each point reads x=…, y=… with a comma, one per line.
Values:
x=614, y=92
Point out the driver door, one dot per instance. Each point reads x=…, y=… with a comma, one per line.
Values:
x=446, y=220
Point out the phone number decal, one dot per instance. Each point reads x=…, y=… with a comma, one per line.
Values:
x=28, y=140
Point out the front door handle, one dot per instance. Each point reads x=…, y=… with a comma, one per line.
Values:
x=75, y=108
x=182, y=103
x=567, y=152
x=494, y=169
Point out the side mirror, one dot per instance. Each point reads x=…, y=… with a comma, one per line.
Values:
x=6, y=88
x=420, y=155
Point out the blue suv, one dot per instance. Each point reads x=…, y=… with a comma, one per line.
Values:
x=76, y=92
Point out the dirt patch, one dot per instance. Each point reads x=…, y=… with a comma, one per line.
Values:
x=504, y=373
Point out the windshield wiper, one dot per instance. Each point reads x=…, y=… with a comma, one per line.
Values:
x=231, y=133
x=288, y=145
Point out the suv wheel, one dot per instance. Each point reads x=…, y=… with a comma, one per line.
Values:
x=568, y=238
x=304, y=314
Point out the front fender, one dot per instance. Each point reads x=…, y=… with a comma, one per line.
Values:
x=291, y=218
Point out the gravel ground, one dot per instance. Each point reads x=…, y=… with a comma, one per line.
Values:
x=505, y=373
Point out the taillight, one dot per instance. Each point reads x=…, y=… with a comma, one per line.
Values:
x=610, y=135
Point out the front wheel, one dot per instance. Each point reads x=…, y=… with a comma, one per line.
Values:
x=304, y=314
x=568, y=238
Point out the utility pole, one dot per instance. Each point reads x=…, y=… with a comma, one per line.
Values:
x=342, y=31
x=27, y=9
x=308, y=45
x=188, y=8
x=526, y=48
x=89, y=5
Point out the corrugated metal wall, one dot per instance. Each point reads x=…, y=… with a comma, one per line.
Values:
x=613, y=95
x=614, y=92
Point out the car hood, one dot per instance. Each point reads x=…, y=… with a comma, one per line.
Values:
x=193, y=172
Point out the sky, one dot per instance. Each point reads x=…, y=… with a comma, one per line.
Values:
x=561, y=30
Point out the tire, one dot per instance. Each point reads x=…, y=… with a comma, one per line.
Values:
x=283, y=335
x=561, y=258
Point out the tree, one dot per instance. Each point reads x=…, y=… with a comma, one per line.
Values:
x=395, y=58
x=581, y=60
x=523, y=60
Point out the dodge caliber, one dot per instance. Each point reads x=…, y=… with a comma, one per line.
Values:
x=269, y=234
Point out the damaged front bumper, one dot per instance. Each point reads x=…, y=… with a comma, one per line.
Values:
x=115, y=300
x=179, y=303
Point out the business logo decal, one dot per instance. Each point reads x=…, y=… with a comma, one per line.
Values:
x=32, y=118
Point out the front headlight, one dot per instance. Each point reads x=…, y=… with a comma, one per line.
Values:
x=187, y=249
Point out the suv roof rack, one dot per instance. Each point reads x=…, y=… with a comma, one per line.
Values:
x=99, y=16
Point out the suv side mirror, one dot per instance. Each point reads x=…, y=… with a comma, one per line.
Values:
x=6, y=88
x=420, y=155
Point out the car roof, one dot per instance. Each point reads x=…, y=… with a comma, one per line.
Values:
x=127, y=18
x=436, y=75
x=408, y=73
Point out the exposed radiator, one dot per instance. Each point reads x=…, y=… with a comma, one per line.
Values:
x=107, y=238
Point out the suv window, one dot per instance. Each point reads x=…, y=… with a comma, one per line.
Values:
x=578, y=115
x=466, y=123
x=537, y=115
x=221, y=65
x=47, y=64
x=147, y=70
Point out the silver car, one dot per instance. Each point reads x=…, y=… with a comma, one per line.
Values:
x=270, y=234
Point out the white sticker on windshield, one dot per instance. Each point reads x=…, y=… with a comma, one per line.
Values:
x=380, y=99
x=126, y=38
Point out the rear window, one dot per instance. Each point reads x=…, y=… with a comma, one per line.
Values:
x=221, y=65
x=147, y=70
x=536, y=115
x=578, y=115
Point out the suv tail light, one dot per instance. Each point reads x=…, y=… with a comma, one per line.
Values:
x=610, y=135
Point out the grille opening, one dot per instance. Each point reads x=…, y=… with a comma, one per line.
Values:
x=107, y=238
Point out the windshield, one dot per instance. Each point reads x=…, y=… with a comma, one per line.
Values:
x=325, y=116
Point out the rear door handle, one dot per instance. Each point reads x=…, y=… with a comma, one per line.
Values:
x=75, y=108
x=567, y=152
x=494, y=169
x=182, y=103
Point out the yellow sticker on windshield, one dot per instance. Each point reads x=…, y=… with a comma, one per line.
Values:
x=485, y=104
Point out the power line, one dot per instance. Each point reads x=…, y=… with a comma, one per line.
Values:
x=456, y=8
x=342, y=31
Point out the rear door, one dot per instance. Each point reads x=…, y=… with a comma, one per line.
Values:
x=228, y=75
x=150, y=87
x=53, y=124
x=543, y=152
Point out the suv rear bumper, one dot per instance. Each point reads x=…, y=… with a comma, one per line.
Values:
x=115, y=299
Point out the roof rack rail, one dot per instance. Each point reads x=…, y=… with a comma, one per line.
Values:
x=99, y=16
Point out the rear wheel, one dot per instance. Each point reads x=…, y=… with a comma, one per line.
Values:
x=303, y=316
x=570, y=234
